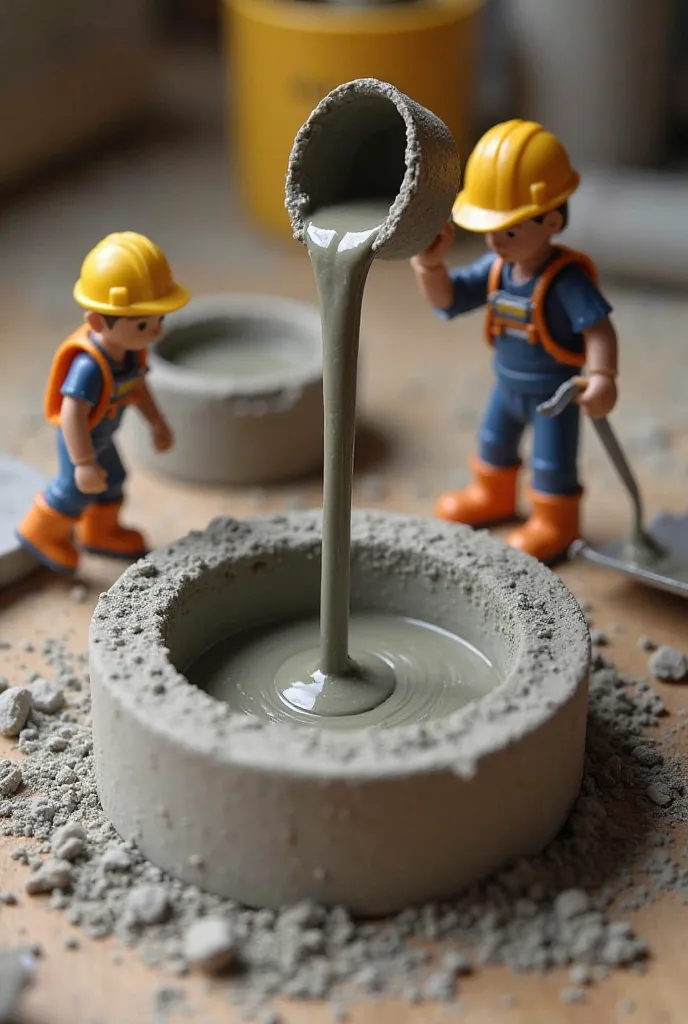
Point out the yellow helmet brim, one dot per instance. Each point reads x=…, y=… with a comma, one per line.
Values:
x=475, y=218
x=169, y=303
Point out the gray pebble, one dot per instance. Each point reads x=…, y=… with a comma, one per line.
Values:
x=10, y=778
x=209, y=945
x=668, y=664
x=647, y=755
x=53, y=874
x=148, y=904
x=15, y=705
x=659, y=794
x=46, y=696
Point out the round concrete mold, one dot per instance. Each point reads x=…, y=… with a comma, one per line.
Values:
x=240, y=380
x=374, y=819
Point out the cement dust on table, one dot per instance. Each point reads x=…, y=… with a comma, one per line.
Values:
x=542, y=912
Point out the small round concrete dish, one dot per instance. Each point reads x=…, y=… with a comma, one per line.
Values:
x=239, y=378
x=18, y=486
x=269, y=811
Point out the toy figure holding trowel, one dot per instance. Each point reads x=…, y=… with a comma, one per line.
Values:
x=546, y=320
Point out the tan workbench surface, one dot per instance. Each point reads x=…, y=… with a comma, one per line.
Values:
x=423, y=386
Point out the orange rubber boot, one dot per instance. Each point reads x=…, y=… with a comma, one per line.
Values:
x=489, y=498
x=47, y=535
x=99, y=532
x=553, y=525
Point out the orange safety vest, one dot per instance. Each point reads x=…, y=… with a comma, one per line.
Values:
x=64, y=357
x=537, y=329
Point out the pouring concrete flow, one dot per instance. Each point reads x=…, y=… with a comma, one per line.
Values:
x=280, y=705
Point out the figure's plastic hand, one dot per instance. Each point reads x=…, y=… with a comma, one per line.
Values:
x=90, y=478
x=599, y=397
x=162, y=436
x=435, y=254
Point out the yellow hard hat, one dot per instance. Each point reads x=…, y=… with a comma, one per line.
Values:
x=128, y=275
x=517, y=170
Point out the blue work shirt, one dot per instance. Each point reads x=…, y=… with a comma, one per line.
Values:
x=572, y=305
x=84, y=380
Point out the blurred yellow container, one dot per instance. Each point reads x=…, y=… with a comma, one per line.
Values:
x=285, y=55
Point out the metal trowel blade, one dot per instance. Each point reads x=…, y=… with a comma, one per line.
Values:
x=668, y=572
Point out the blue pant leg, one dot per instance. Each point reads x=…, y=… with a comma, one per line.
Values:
x=62, y=494
x=555, y=450
x=502, y=428
x=108, y=458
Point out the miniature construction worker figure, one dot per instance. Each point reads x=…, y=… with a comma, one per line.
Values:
x=126, y=287
x=546, y=320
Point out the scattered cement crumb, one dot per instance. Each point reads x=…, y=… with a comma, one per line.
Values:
x=148, y=904
x=598, y=638
x=580, y=975
x=115, y=859
x=78, y=594
x=573, y=996
x=46, y=696
x=668, y=664
x=69, y=842
x=54, y=874
x=509, y=1001
x=540, y=913
x=4, y=683
x=441, y=986
x=208, y=945
x=646, y=643
x=70, y=942
x=626, y=1006
x=10, y=778
x=15, y=705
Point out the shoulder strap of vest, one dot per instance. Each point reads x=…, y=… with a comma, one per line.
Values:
x=494, y=278
x=565, y=257
x=77, y=342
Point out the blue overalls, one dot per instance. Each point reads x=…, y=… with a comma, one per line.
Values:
x=526, y=373
x=85, y=381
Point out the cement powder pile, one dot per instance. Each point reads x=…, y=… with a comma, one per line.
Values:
x=560, y=908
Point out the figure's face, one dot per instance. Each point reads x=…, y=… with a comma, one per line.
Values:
x=525, y=240
x=128, y=332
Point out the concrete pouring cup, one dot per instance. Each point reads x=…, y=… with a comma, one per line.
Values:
x=366, y=140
